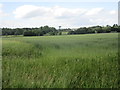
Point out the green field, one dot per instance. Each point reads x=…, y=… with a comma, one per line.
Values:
x=68, y=61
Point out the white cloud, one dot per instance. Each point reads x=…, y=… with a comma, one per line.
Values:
x=2, y=13
x=113, y=12
x=94, y=11
x=29, y=11
x=1, y=5
x=60, y=1
x=36, y=16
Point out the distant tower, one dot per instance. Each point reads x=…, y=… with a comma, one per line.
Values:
x=59, y=27
x=119, y=13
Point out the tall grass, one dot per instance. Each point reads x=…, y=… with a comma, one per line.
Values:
x=73, y=61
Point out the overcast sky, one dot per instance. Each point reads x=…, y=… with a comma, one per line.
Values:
x=68, y=14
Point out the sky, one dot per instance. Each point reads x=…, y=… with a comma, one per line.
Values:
x=54, y=13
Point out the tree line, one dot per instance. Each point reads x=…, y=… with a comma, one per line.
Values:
x=96, y=29
x=41, y=31
x=46, y=30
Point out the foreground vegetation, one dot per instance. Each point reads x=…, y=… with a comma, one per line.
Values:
x=72, y=61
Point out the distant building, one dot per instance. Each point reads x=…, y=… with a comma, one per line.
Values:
x=73, y=29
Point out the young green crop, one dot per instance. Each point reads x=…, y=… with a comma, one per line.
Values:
x=69, y=61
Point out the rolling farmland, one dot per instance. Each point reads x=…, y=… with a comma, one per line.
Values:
x=66, y=61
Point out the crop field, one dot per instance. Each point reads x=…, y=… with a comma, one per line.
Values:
x=68, y=61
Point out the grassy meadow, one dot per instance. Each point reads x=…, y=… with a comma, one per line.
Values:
x=68, y=61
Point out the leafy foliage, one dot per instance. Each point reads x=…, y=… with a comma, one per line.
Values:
x=46, y=30
x=96, y=29
x=30, y=31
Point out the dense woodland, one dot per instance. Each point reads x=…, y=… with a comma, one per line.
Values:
x=46, y=30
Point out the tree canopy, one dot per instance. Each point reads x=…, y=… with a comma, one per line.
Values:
x=46, y=30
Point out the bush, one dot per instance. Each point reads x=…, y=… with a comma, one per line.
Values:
x=29, y=33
